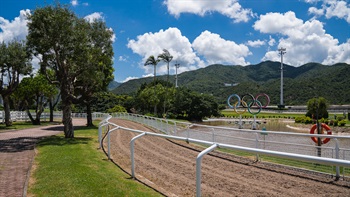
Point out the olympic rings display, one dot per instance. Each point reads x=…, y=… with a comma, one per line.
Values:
x=248, y=104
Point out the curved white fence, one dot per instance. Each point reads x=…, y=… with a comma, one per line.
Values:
x=251, y=141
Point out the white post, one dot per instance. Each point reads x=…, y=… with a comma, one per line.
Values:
x=132, y=145
x=198, y=168
x=337, y=170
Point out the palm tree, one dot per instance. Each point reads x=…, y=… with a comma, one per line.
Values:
x=166, y=57
x=152, y=61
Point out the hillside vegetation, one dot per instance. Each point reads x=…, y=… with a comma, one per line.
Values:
x=300, y=83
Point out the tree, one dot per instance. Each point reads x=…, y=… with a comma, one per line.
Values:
x=317, y=108
x=153, y=61
x=100, y=64
x=63, y=43
x=35, y=91
x=166, y=57
x=14, y=61
x=194, y=106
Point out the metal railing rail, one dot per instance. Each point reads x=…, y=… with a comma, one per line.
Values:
x=307, y=158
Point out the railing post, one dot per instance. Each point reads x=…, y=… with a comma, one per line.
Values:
x=257, y=144
x=337, y=171
x=167, y=127
x=132, y=145
x=213, y=134
x=174, y=128
x=198, y=168
x=109, y=145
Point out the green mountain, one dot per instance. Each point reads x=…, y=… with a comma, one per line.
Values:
x=300, y=83
x=112, y=85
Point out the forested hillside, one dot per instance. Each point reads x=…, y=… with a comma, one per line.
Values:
x=300, y=83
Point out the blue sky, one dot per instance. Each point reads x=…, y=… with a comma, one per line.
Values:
x=203, y=32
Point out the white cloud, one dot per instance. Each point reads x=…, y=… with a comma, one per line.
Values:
x=94, y=16
x=218, y=50
x=16, y=29
x=123, y=59
x=85, y=4
x=305, y=41
x=74, y=2
x=332, y=8
x=171, y=39
x=256, y=43
x=129, y=78
x=315, y=11
x=272, y=41
x=229, y=8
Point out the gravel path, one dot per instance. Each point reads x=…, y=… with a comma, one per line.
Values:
x=17, y=153
x=170, y=168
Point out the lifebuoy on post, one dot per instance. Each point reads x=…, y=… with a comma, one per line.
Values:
x=314, y=128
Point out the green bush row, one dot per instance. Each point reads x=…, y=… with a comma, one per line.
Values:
x=308, y=120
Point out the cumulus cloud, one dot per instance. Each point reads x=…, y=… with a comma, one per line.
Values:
x=122, y=59
x=74, y=2
x=272, y=41
x=256, y=43
x=305, y=41
x=16, y=29
x=94, y=16
x=229, y=8
x=171, y=39
x=218, y=50
x=332, y=8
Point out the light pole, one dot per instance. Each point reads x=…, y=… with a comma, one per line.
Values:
x=177, y=65
x=281, y=51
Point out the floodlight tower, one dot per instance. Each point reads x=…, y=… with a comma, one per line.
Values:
x=176, y=66
x=281, y=51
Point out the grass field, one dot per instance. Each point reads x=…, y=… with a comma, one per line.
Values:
x=23, y=125
x=75, y=167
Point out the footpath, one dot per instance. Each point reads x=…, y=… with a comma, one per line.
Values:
x=17, y=154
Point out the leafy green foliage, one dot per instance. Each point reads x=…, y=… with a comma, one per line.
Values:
x=182, y=102
x=14, y=61
x=317, y=108
x=34, y=91
x=79, y=54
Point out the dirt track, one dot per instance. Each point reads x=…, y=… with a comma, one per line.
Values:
x=170, y=168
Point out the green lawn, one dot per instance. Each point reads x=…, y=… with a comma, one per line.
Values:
x=75, y=167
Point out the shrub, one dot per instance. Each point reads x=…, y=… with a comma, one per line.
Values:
x=342, y=123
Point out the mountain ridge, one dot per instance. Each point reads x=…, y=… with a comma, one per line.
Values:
x=300, y=83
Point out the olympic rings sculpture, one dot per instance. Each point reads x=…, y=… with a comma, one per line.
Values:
x=253, y=102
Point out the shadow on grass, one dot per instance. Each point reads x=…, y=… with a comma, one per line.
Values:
x=62, y=141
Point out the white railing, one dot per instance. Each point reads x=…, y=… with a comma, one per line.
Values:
x=23, y=116
x=173, y=128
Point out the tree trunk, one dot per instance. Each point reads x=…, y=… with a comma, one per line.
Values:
x=8, y=121
x=66, y=88
x=89, y=115
x=51, y=110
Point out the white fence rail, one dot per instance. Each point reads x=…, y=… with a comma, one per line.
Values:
x=336, y=153
x=23, y=116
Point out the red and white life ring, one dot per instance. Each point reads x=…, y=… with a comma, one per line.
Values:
x=328, y=129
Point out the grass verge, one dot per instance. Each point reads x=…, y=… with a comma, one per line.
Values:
x=75, y=167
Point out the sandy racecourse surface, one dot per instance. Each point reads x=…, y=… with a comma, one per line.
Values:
x=170, y=168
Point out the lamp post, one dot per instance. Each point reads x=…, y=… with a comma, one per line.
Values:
x=281, y=51
x=177, y=65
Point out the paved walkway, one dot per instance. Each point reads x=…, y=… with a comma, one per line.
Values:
x=16, y=156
